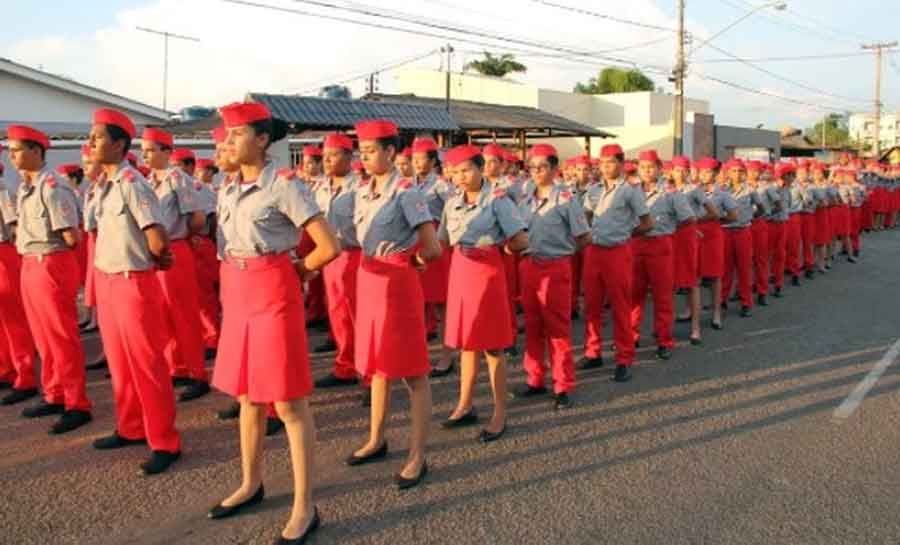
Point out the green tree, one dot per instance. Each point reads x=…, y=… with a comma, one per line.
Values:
x=492, y=65
x=836, y=132
x=615, y=80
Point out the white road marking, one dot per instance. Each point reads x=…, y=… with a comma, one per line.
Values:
x=849, y=406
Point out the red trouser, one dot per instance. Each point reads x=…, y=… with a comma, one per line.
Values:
x=653, y=269
x=546, y=286
x=759, y=231
x=512, y=287
x=607, y=277
x=808, y=235
x=340, y=285
x=16, y=343
x=867, y=214
x=792, y=241
x=208, y=289
x=577, y=267
x=184, y=348
x=49, y=288
x=777, y=249
x=739, y=260
x=131, y=311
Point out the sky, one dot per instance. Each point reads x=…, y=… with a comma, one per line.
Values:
x=245, y=48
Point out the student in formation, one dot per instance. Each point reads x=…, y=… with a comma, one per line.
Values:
x=738, y=239
x=712, y=243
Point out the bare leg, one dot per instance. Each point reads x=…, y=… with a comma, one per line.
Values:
x=381, y=405
x=716, y=300
x=497, y=369
x=301, y=433
x=446, y=352
x=252, y=432
x=420, y=422
x=694, y=306
x=468, y=374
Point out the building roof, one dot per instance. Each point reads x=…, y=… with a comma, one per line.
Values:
x=72, y=86
x=491, y=119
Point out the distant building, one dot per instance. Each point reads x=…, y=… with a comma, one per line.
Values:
x=862, y=129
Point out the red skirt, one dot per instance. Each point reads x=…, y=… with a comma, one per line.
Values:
x=685, y=252
x=879, y=200
x=390, y=319
x=263, y=348
x=436, y=277
x=90, y=294
x=840, y=215
x=823, y=226
x=712, y=249
x=478, y=301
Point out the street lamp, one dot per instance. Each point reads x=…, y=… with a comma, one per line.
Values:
x=779, y=5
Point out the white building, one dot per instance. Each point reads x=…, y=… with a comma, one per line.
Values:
x=862, y=129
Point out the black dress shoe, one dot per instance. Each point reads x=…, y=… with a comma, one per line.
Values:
x=851, y=259
x=430, y=337
x=318, y=325
x=715, y=325
x=761, y=301
x=696, y=341
x=197, y=388
x=489, y=437
x=221, y=511
x=772, y=279
x=622, y=374
x=591, y=363
x=210, y=354
x=724, y=306
x=44, y=409
x=855, y=253
x=70, y=420
x=273, y=426
x=735, y=297
x=664, y=353
x=683, y=319
x=795, y=280
x=159, y=461
x=378, y=454
x=778, y=293
x=332, y=381
x=327, y=346
x=403, y=483
x=561, y=401
x=745, y=312
x=467, y=419
x=18, y=396
x=96, y=365
x=178, y=382
x=313, y=526
x=115, y=441
x=526, y=391
x=438, y=373
x=810, y=275
x=512, y=351
x=230, y=413
x=5, y=385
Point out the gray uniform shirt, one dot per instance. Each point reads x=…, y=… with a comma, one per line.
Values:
x=668, y=208
x=90, y=206
x=125, y=206
x=8, y=215
x=437, y=191
x=747, y=201
x=491, y=220
x=784, y=196
x=553, y=223
x=859, y=194
x=177, y=200
x=46, y=207
x=696, y=198
x=337, y=205
x=616, y=211
x=386, y=221
x=263, y=217
x=722, y=201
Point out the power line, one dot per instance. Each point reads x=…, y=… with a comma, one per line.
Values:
x=765, y=93
x=602, y=16
x=359, y=74
x=779, y=59
x=603, y=52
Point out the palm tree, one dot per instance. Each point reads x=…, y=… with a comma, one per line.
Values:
x=492, y=65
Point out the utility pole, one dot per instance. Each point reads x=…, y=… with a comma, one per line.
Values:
x=166, y=36
x=878, y=47
x=448, y=49
x=678, y=139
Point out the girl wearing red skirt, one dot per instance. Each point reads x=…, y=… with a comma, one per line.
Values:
x=823, y=225
x=396, y=233
x=844, y=222
x=262, y=356
x=479, y=222
x=712, y=235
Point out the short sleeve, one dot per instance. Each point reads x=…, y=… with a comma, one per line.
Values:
x=508, y=216
x=412, y=203
x=141, y=202
x=7, y=207
x=189, y=199
x=62, y=207
x=577, y=221
x=638, y=201
x=297, y=203
x=682, y=208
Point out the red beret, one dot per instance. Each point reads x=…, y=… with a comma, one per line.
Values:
x=312, y=151
x=373, y=129
x=244, y=113
x=106, y=116
x=407, y=152
x=205, y=163
x=611, y=150
x=581, y=160
x=681, y=161
x=734, y=163
x=649, y=155
x=423, y=145
x=817, y=166
x=804, y=163
x=23, y=132
x=461, y=154
x=756, y=165
x=782, y=169
x=157, y=136
x=86, y=149
x=182, y=154
x=512, y=157
x=357, y=166
x=707, y=163
x=68, y=170
x=219, y=134
x=542, y=150
x=493, y=150
x=630, y=166
x=338, y=140
x=667, y=165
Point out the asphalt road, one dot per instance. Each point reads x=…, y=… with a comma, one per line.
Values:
x=731, y=442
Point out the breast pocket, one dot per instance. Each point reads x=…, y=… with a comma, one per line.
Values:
x=388, y=214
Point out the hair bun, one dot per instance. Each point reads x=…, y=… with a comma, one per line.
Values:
x=279, y=129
